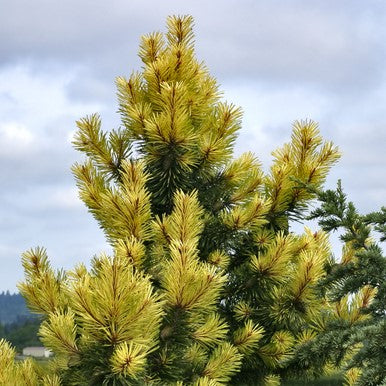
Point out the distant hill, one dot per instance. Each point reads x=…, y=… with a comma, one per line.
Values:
x=13, y=308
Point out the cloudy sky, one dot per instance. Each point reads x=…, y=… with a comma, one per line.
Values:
x=279, y=60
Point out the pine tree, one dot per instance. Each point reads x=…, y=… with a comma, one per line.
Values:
x=354, y=335
x=206, y=285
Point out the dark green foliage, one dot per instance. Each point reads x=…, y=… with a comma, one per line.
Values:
x=378, y=220
x=325, y=381
x=335, y=213
x=368, y=267
x=371, y=358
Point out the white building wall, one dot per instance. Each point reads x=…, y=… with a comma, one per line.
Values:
x=36, y=352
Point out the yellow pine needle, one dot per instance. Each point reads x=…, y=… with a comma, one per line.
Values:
x=351, y=308
x=15, y=373
x=172, y=125
x=305, y=158
x=278, y=349
x=264, y=238
x=217, y=142
x=185, y=220
x=249, y=187
x=246, y=338
x=151, y=47
x=43, y=289
x=365, y=296
x=223, y=363
x=245, y=175
x=273, y=264
x=236, y=170
x=58, y=333
x=305, y=336
x=91, y=185
x=180, y=30
x=361, y=300
x=122, y=211
x=352, y=376
x=283, y=340
x=130, y=250
x=214, y=149
x=219, y=259
x=128, y=360
x=305, y=139
x=191, y=286
x=308, y=271
x=212, y=332
x=250, y=215
x=135, y=112
x=342, y=308
x=27, y=373
x=160, y=228
x=173, y=117
x=348, y=253
x=279, y=186
x=51, y=380
x=317, y=242
x=320, y=320
x=134, y=176
x=116, y=303
x=205, y=381
x=93, y=141
x=196, y=354
x=243, y=311
x=7, y=357
x=271, y=380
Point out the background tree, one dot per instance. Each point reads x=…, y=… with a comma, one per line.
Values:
x=207, y=285
x=355, y=329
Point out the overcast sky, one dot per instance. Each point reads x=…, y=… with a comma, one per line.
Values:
x=279, y=60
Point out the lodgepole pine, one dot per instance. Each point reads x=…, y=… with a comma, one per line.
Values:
x=206, y=285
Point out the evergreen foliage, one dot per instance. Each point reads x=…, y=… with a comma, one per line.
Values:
x=207, y=285
x=355, y=328
x=26, y=372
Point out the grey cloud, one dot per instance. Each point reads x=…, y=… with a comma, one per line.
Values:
x=333, y=46
x=40, y=164
x=54, y=231
x=356, y=125
x=279, y=60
